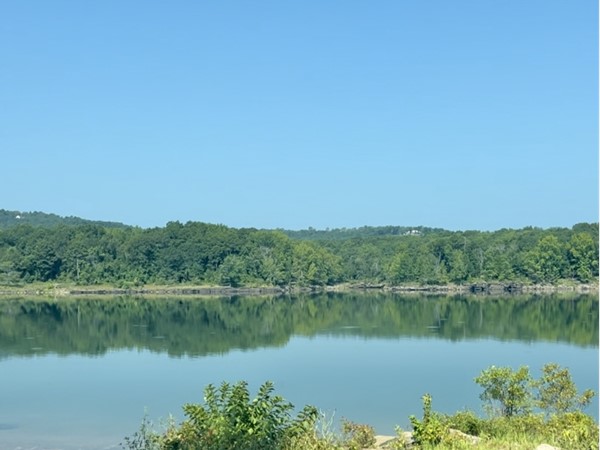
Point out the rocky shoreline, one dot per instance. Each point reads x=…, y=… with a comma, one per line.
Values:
x=226, y=291
x=499, y=288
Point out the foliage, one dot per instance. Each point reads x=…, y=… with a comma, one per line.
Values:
x=557, y=393
x=547, y=261
x=506, y=392
x=465, y=421
x=574, y=430
x=230, y=420
x=554, y=393
x=322, y=437
x=569, y=431
x=509, y=393
x=559, y=422
x=431, y=429
x=340, y=234
x=583, y=256
x=498, y=426
x=37, y=218
x=357, y=436
x=85, y=252
x=143, y=439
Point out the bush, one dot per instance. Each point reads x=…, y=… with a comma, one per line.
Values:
x=506, y=392
x=431, y=429
x=502, y=427
x=574, y=430
x=465, y=421
x=229, y=420
x=557, y=392
x=357, y=436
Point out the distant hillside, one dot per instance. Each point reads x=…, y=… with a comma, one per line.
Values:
x=13, y=218
x=58, y=249
x=336, y=234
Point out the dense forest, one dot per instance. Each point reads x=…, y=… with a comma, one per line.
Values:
x=38, y=218
x=90, y=253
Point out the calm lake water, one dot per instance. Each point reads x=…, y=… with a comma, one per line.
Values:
x=81, y=374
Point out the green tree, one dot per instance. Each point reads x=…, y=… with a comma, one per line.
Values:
x=313, y=265
x=269, y=257
x=583, y=257
x=546, y=262
x=506, y=391
x=557, y=392
x=415, y=263
x=497, y=264
x=91, y=253
x=458, y=271
x=232, y=272
x=403, y=268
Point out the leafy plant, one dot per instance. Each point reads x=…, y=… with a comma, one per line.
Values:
x=574, y=430
x=322, y=437
x=357, y=436
x=557, y=392
x=431, y=429
x=465, y=421
x=527, y=424
x=506, y=391
x=143, y=439
x=402, y=442
x=230, y=420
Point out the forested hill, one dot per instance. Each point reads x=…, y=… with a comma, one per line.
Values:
x=361, y=232
x=41, y=219
x=199, y=253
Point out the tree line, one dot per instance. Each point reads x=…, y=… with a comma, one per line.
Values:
x=200, y=253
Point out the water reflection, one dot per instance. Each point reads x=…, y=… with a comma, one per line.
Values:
x=198, y=327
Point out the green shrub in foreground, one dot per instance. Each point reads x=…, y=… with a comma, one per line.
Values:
x=465, y=421
x=230, y=420
x=557, y=392
x=574, y=430
x=508, y=392
x=357, y=436
x=431, y=429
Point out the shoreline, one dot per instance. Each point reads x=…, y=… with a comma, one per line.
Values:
x=479, y=289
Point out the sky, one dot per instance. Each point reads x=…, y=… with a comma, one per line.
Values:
x=463, y=114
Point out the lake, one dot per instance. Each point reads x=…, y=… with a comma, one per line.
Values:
x=81, y=373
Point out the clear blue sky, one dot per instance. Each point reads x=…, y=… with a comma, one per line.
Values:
x=463, y=114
